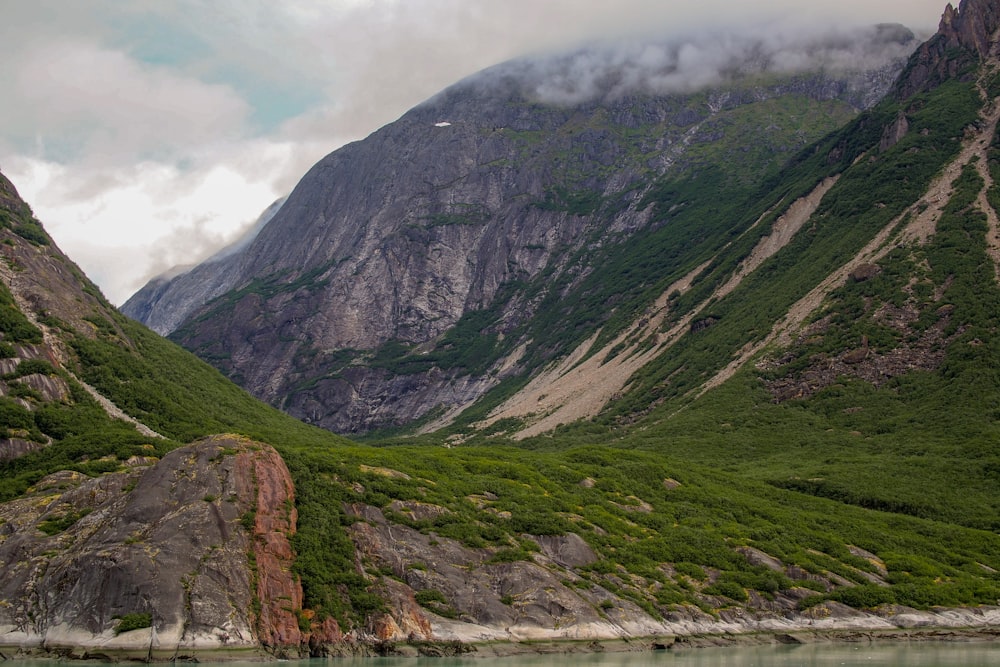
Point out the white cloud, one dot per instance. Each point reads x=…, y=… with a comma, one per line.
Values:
x=106, y=107
x=147, y=217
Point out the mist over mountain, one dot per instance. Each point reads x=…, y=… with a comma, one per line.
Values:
x=604, y=72
x=201, y=282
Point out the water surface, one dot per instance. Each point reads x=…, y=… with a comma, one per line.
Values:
x=930, y=654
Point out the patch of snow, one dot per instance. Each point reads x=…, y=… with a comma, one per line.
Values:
x=443, y=123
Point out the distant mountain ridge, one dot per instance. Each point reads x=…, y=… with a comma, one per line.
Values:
x=191, y=286
x=474, y=203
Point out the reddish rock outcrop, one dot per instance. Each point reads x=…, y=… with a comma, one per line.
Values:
x=171, y=539
x=266, y=485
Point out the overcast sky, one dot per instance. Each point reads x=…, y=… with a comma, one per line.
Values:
x=149, y=133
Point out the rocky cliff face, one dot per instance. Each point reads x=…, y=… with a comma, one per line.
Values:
x=972, y=26
x=158, y=547
x=966, y=36
x=454, y=210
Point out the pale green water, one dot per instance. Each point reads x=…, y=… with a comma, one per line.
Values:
x=933, y=654
x=823, y=655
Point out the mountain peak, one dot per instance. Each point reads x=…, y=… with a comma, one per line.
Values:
x=965, y=37
x=972, y=26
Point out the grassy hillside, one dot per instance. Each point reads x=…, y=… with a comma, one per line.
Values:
x=154, y=381
x=673, y=524
x=921, y=438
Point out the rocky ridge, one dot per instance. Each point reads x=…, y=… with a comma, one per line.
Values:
x=167, y=300
x=965, y=36
x=45, y=294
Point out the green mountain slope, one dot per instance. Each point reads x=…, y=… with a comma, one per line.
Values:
x=57, y=324
x=880, y=391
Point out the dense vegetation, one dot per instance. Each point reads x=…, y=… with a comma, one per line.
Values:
x=640, y=510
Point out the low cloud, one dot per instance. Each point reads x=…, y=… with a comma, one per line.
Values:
x=129, y=224
x=608, y=71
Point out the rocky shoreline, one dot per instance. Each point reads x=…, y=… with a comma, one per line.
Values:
x=687, y=642
x=513, y=648
x=186, y=535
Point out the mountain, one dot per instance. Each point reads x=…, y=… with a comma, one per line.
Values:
x=166, y=301
x=799, y=443
x=415, y=270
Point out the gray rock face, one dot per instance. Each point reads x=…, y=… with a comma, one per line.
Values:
x=163, y=304
x=444, y=213
x=965, y=36
x=79, y=556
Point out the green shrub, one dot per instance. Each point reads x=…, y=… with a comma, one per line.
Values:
x=248, y=520
x=18, y=390
x=729, y=589
x=691, y=570
x=510, y=556
x=436, y=602
x=430, y=596
x=16, y=328
x=14, y=416
x=867, y=596
x=31, y=367
x=135, y=621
